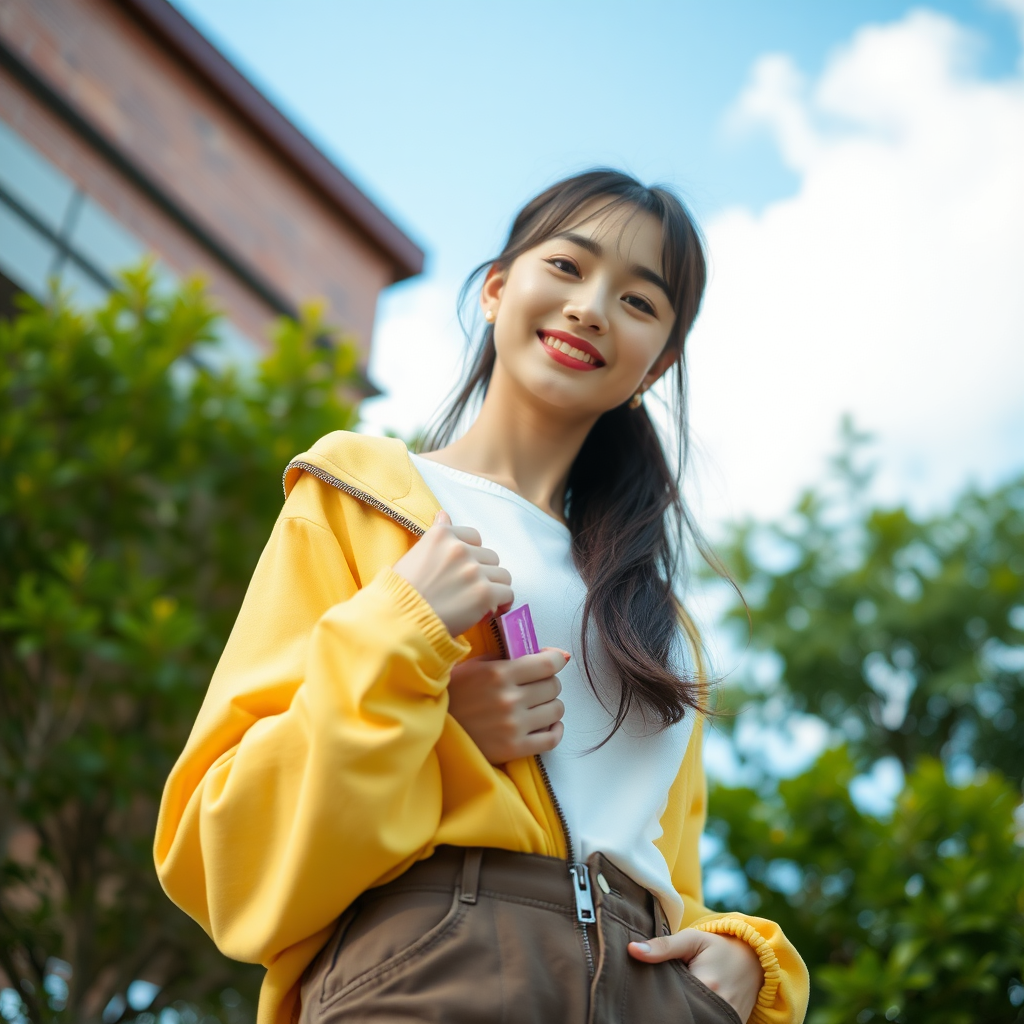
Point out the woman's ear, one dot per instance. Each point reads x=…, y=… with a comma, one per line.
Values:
x=660, y=366
x=490, y=293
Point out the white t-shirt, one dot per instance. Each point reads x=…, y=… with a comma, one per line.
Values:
x=613, y=798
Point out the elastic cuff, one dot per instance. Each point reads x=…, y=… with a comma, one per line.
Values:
x=769, y=961
x=412, y=603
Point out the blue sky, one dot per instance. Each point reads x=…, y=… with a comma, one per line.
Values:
x=856, y=167
x=450, y=115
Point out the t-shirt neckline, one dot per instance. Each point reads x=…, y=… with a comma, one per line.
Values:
x=483, y=483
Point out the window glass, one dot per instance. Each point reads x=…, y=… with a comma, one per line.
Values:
x=86, y=292
x=231, y=350
x=166, y=280
x=32, y=180
x=26, y=256
x=238, y=347
x=102, y=241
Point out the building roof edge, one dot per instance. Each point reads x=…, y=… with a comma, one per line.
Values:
x=191, y=46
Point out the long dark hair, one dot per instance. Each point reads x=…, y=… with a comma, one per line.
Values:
x=627, y=517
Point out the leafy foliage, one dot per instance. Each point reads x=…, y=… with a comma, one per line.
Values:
x=920, y=917
x=139, y=486
x=906, y=637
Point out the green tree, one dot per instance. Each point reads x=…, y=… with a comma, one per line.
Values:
x=905, y=635
x=902, y=633
x=139, y=486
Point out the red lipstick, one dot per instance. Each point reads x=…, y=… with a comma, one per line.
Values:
x=578, y=343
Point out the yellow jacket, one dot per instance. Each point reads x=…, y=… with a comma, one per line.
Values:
x=324, y=762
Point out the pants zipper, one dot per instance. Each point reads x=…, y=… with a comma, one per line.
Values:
x=585, y=914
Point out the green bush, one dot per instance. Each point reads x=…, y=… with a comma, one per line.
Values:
x=905, y=635
x=917, y=917
x=139, y=485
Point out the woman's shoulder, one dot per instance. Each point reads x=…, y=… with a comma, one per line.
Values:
x=378, y=463
x=374, y=470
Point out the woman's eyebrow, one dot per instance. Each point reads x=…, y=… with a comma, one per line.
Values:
x=638, y=269
x=583, y=242
x=649, y=275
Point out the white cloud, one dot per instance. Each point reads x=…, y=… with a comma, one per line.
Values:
x=416, y=356
x=891, y=285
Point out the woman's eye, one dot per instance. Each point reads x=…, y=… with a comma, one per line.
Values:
x=642, y=304
x=565, y=265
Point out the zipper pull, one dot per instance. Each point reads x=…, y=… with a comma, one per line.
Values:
x=581, y=890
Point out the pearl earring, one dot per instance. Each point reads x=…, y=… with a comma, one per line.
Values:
x=489, y=316
x=634, y=402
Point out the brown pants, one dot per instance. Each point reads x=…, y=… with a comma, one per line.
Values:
x=474, y=937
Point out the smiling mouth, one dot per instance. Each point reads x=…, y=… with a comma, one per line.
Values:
x=565, y=348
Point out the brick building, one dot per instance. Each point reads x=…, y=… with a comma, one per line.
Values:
x=124, y=131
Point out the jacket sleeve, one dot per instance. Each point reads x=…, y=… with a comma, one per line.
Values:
x=784, y=994
x=310, y=773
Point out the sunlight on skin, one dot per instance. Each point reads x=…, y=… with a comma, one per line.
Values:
x=592, y=283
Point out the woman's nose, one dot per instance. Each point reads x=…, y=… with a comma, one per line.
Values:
x=587, y=311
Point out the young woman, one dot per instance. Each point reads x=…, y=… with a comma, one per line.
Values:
x=398, y=823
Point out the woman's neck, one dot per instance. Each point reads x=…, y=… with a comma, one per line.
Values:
x=522, y=445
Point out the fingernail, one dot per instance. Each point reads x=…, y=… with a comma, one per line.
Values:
x=644, y=947
x=565, y=654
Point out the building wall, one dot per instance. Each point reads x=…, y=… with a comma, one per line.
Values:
x=151, y=229
x=148, y=103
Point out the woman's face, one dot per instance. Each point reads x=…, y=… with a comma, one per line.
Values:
x=581, y=320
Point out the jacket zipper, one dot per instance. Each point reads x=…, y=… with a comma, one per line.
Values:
x=578, y=873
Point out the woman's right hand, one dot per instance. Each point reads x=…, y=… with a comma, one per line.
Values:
x=458, y=577
x=510, y=708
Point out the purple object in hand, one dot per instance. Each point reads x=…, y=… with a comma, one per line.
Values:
x=517, y=631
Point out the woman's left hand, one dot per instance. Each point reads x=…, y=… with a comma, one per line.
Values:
x=727, y=965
